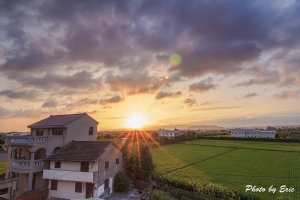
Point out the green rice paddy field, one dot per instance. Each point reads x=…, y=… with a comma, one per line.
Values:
x=234, y=164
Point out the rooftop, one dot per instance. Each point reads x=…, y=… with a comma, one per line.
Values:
x=57, y=120
x=80, y=151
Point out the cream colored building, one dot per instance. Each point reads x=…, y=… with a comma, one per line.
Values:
x=26, y=154
x=83, y=169
x=252, y=133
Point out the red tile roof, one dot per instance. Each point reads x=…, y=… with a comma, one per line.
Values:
x=56, y=120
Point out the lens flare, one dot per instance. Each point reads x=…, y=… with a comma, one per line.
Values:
x=175, y=59
x=167, y=77
x=160, y=80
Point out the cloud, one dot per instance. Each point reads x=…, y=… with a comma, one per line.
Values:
x=209, y=103
x=24, y=95
x=218, y=108
x=113, y=100
x=50, y=103
x=202, y=86
x=190, y=102
x=82, y=103
x=249, y=95
x=283, y=95
x=5, y=112
x=161, y=95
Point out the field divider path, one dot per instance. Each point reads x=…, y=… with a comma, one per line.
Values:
x=185, y=166
x=242, y=147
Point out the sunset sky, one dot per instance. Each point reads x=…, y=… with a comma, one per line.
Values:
x=224, y=63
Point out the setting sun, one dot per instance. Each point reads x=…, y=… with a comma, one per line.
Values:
x=136, y=120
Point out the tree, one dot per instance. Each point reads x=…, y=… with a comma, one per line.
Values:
x=121, y=182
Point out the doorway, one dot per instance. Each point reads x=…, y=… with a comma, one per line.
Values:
x=89, y=190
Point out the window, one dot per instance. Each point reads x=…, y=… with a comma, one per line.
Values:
x=106, y=182
x=117, y=161
x=106, y=165
x=53, y=185
x=91, y=131
x=84, y=167
x=57, y=131
x=39, y=132
x=57, y=164
x=78, y=187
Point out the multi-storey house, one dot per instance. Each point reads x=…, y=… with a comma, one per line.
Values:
x=26, y=154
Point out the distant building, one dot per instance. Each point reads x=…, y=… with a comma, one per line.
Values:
x=200, y=131
x=222, y=131
x=169, y=133
x=252, y=133
x=269, y=128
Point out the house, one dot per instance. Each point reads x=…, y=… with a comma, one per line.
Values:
x=252, y=133
x=27, y=153
x=83, y=169
x=168, y=133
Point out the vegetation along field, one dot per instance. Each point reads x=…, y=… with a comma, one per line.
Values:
x=234, y=164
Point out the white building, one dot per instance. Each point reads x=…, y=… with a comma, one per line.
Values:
x=252, y=133
x=83, y=169
x=170, y=133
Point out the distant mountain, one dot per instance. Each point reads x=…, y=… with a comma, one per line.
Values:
x=205, y=127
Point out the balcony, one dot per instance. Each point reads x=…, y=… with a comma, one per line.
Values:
x=64, y=175
x=24, y=165
x=27, y=140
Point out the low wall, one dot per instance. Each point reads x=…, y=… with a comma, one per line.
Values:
x=40, y=194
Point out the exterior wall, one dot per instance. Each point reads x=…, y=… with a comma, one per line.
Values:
x=78, y=130
x=73, y=166
x=22, y=183
x=110, y=155
x=249, y=133
x=66, y=189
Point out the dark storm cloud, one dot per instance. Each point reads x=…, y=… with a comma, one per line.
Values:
x=249, y=95
x=50, y=103
x=79, y=80
x=24, y=95
x=161, y=95
x=212, y=37
x=112, y=100
x=190, y=102
x=203, y=86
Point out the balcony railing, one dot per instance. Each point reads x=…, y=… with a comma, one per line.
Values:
x=66, y=175
x=25, y=164
x=27, y=140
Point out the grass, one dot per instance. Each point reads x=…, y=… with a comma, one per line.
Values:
x=234, y=164
x=2, y=167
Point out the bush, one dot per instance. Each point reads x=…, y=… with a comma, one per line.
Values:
x=160, y=195
x=121, y=182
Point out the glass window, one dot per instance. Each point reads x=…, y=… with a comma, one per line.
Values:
x=57, y=164
x=78, y=187
x=57, y=131
x=39, y=132
x=106, y=165
x=91, y=131
x=84, y=167
x=53, y=185
x=117, y=161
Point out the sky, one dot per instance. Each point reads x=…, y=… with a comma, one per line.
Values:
x=178, y=63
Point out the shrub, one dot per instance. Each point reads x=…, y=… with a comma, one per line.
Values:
x=121, y=182
x=160, y=195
